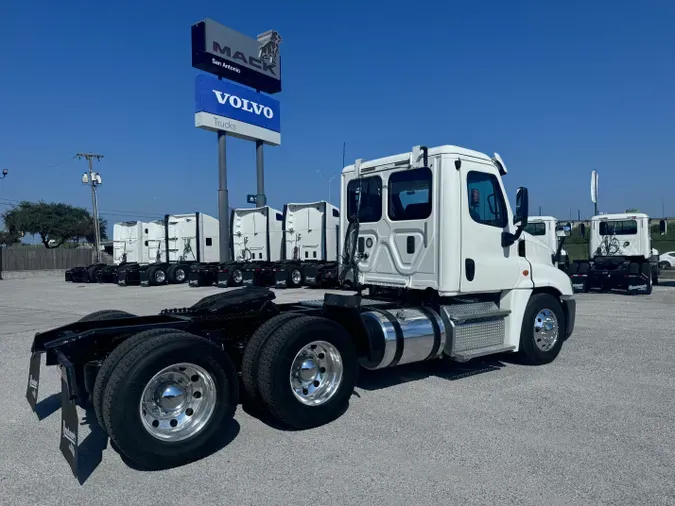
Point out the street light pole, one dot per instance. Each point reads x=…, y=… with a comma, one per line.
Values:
x=94, y=179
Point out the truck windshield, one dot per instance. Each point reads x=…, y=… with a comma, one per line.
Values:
x=536, y=228
x=623, y=227
x=369, y=191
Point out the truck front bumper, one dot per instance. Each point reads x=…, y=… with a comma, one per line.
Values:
x=570, y=310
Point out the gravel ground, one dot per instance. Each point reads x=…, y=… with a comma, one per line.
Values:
x=595, y=427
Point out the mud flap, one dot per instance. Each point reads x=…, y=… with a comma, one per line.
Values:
x=280, y=278
x=69, y=427
x=638, y=286
x=223, y=279
x=122, y=278
x=33, y=379
x=579, y=284
x=194, y=279
x=145, y=280
x=248, y=278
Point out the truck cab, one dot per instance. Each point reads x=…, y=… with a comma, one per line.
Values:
x=548, y=230
x=438, y=222
x=620, y=255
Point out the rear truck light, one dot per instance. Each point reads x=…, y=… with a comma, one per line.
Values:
x=224, y=270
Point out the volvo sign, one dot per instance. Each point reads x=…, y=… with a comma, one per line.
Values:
x=243, y=113
x=229, y=54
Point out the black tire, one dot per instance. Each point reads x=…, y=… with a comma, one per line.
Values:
x=250, y=360
x=93, y=273
x=155, y=273
x=180, y=274
x=106, y=314
x=233, y=275
x=169, y=272
x=276, y=358
x=529, y=350
x=122, y=397
x=295, y=270
x=664, y=265
x=109, y=365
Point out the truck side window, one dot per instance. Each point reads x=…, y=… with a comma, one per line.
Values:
x=536, y=228
x=625, y=227
x=486, y=201
x=369, y=191
x=410, y=194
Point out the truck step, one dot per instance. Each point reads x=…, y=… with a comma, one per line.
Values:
x=474, y=329
x=481, y=352
x=461, y=313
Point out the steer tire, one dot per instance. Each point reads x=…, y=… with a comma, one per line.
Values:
x=109, y=365
x=274, y=368
x=250, y=360
x=122, y=399
x=529, y=351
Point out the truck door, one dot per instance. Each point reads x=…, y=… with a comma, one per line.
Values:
x=486, y=266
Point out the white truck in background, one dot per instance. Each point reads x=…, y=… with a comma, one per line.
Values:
x=175, y=245
x=548, y=230
x=621, y=255
x=310, y=246
x=255, y=242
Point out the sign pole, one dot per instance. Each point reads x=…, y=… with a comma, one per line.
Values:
x=261, y=199
x=223, y=206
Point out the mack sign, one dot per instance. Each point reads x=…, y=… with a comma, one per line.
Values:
x=227, y=53
x=243, y=113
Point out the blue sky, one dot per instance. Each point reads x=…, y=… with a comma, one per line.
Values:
x=558, y=89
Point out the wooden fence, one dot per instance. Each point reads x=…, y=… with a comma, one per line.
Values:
x=38, y=259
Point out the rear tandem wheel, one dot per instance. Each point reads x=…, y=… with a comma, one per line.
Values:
x=168, y=398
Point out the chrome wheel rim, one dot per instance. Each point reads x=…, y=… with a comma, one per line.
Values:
x=160, y=276
x=237, y=276
x=546, y=329
x=178, y=402
x=316, y=373
x=180, y=275
x=296, y=276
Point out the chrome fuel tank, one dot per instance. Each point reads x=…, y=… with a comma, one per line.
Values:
x=403, y=336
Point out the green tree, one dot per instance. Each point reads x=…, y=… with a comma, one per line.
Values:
x=52, y=221
x=7, y=239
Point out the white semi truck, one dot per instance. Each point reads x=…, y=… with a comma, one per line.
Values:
x=135, y=243
x=256, y=246
x=621, y=255
x=446, y=278
x=310, y=247
x=175, y=245
x=548, y=230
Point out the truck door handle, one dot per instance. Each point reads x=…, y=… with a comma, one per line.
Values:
x=410, y=244
x=469, y=269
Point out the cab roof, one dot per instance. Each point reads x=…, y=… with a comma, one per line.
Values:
x=405, y=157
x=619, y=216
x=539, y=219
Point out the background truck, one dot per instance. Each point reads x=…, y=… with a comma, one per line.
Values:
x=255, y=244
x=445, y=278
x=621, y=255
x=310, y=245
x=548, y=230
x=128, y=248
x=187, y=240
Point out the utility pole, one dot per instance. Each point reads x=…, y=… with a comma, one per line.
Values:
x=94, y=180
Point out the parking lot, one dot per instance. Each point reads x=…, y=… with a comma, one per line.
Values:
x=597, y=426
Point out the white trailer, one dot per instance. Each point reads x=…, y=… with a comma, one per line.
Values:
x=447, y=277
x=310, y=246
x=621, y=255
x=548, y=230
